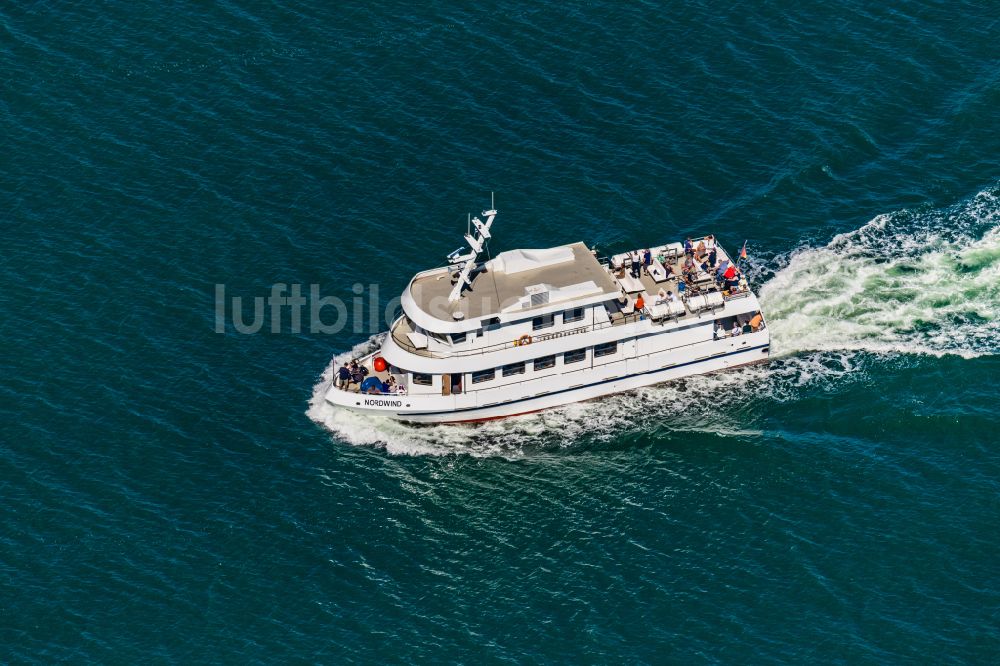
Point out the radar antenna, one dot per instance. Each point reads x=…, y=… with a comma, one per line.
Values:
x=475, y=246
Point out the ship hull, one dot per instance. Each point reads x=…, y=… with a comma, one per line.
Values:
x=714, y=357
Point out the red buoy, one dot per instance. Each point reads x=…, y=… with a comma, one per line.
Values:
x=380, y=364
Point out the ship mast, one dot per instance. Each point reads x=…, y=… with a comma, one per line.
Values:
x=476, y=246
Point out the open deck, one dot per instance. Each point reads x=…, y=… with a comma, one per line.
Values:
x=617, y=280
x=671, y=259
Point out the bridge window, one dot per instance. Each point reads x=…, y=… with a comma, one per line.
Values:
x=421, y=379
x=545, y=362
x=483, y=375
x=576, y=314
x=574, y=356
x=513, y=369
x=606, y=349
x=457, y=338
x=544, y=321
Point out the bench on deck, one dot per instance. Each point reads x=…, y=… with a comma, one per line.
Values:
x=618, y=310
x=701, y=279
x=673, y=250
x=712, y=300
x=665, y=309
x=658, y=272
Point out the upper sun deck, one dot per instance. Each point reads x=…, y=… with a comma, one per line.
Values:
x=524, y=292
x=515, y=281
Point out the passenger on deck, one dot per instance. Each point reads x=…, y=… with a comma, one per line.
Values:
x=647, y=259
x=636, y=263
x=661, y=296
x=736, y=328
x=358, y=372
x=671, y=298
x=343, y=377
x=712, y=257
x=757, y=322
x=700, y=250
x=710, y=243
x=720, y=332
x=731, y=279
x=688, y=248
x=689, y=268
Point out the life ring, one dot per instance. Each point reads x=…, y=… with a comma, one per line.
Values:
x=524, y=340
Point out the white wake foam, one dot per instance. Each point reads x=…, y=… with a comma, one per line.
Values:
x=923, y=282
x=909, y=282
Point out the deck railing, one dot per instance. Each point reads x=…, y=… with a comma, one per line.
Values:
x=399, y=337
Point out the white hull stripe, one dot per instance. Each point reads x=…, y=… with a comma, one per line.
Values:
x=585, y=386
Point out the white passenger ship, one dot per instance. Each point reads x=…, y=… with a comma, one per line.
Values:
x=532, y=329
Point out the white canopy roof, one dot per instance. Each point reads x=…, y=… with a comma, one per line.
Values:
x=518, y=261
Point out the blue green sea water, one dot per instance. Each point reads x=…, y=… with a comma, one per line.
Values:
x=174, y=494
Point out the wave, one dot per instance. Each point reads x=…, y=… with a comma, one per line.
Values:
x=906, y=282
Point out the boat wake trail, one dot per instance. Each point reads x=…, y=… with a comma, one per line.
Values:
x=922, y=282
x=908, y=282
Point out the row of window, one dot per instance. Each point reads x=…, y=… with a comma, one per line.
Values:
x=541, y=363
x=538, y=323
x=544, y=362
x=545, y=321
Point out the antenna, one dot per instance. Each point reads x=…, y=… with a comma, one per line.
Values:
x=475, y=247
